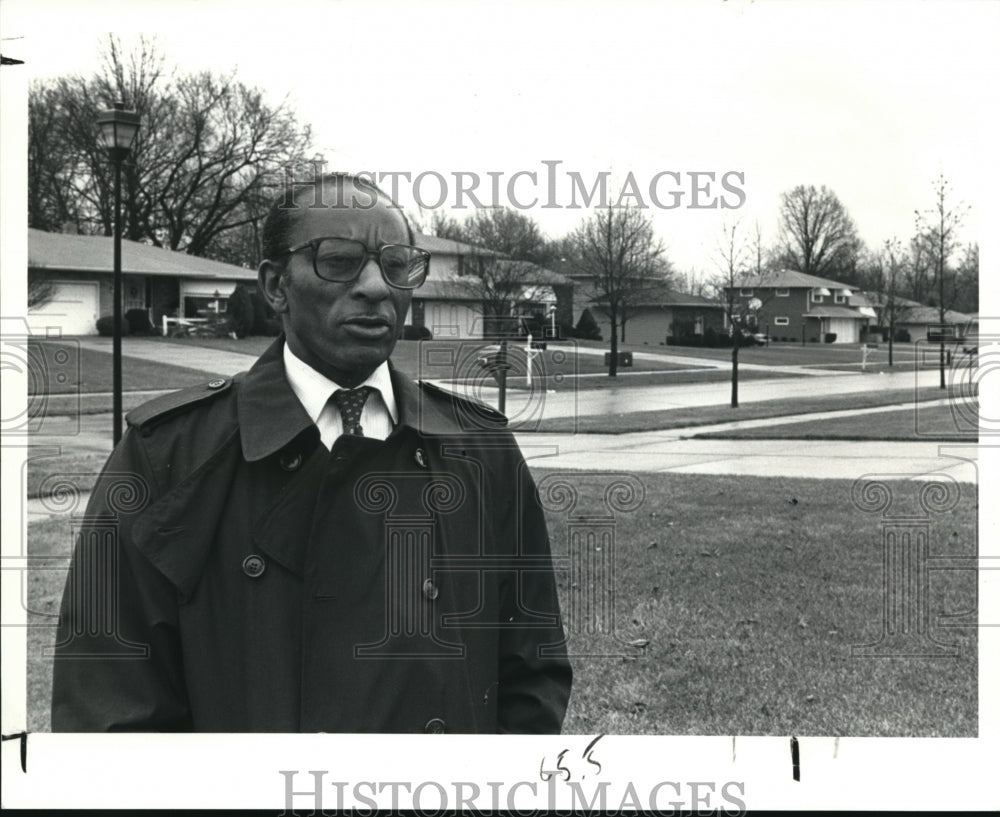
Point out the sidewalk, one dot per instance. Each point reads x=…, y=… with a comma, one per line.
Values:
x=665, y=451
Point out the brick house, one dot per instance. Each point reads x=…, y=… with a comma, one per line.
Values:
x=796, y=306
x=663, y=316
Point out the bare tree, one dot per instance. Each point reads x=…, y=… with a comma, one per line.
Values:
x=919, y=274
x=740, y=260
x=40, y=292
x=937, y=233
x=886, y=274
x=511, y=250
x=624, y=260
x=818, y=235
x=209, y=152
x=967, y=280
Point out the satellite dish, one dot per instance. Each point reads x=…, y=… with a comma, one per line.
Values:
x=755, y=304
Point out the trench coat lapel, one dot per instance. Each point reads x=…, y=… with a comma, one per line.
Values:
x=177, y=532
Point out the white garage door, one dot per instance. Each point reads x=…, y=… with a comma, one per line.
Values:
x=72, y=310
x=846, y=329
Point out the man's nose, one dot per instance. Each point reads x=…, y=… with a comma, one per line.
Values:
x=370, y=283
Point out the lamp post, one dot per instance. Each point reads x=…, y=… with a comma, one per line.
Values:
x=118, y=129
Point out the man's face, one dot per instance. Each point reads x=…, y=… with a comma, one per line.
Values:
x=344, y=331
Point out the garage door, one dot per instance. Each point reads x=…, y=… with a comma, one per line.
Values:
x=72, y=310
x=846, y=329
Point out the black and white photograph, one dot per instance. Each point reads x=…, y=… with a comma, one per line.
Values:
x=499, y=406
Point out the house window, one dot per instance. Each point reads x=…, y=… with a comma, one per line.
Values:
x=746, y=293
x=781, y=293
x=470, y=265
x=840, y=299
x=699, y=325
x=817, y=298
x=781, y=321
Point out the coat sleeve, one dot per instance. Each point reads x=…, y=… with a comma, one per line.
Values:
x=117, y=663
x=535, y=674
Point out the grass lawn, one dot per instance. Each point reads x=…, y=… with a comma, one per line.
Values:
x=64, y=368
x=710, y=415
x=924, y=423
x=747, y=594
x=77, y=470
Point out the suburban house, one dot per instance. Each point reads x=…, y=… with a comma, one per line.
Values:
x=795, y=306
x=661, y=314
x=161, y=281
x=664, y=316
x=450, y=304
x=914, y=318
x=165, y=282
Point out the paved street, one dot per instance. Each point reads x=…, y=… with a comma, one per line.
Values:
x=524, y=404
x=652, y=451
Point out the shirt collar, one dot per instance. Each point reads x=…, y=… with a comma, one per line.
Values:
x=271, y=417
x=314, y=389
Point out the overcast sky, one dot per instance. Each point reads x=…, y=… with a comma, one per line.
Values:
x=871, y=99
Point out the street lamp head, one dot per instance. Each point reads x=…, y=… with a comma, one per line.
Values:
x=118, y=129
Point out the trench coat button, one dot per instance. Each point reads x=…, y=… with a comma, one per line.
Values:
x=216, y=384
x=435, y=726
x=253, y=566
x=430, y=590
x=420, y=457
x=291, y=462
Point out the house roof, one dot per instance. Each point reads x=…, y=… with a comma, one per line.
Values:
x=446, y=246
x=438, y=289
x=909, y=311
x=880, y=299
x=667, y=297
x=930, y=314
x=534, y=274
x=66, y=252
x=834, y=312
x=791, y=279
x=671, y=297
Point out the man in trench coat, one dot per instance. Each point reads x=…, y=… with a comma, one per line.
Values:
x=253, y=560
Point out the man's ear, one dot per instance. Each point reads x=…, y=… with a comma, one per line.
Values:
x=272, y=282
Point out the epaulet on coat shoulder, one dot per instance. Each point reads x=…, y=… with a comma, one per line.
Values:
x=167, y=405
x=487, y=413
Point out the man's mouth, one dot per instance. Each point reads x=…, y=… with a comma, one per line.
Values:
x=370, y=327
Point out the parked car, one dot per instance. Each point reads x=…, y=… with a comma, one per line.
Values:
x=753, y=338
x=970, y=344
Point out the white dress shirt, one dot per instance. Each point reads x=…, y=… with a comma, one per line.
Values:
x=314, y=391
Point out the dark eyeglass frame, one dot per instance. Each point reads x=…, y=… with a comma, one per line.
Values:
x=314, y=243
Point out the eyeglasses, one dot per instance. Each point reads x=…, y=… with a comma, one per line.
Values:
x=340, y=260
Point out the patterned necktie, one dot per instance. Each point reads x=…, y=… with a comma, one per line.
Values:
x=351, y=402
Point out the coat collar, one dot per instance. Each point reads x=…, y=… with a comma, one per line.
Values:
x=271, y=416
